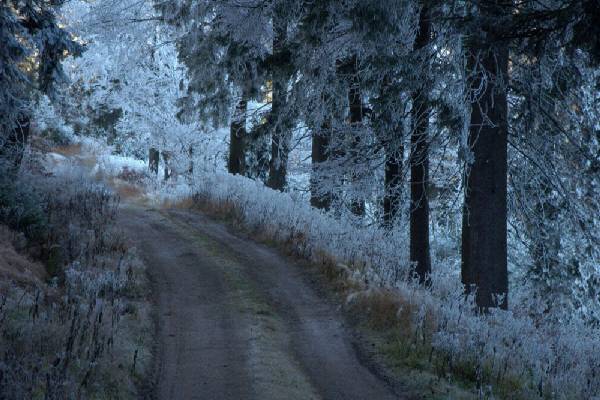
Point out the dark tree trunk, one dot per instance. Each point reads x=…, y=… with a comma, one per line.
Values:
x=280, y=145
x=319, y=197
x=357, y=206
x=237, y=150
x=191, y=161
x=392, y=136
x=419, y=165
x=166, y=155
x=392, y=185
x=153, y=160
x=484, y=263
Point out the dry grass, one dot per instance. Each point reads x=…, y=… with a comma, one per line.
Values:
x=75, y=152
x=125, y=189
x=69, y=150
x=187, y=203
x=17, y=267
x=226, y=210
x=86, y=334
x=380, y=307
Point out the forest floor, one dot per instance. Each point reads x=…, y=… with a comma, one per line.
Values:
x=237, y=320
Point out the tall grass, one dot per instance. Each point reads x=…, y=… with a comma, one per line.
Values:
x=74, y=337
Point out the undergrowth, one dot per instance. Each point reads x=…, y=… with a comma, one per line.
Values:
x=83, y=333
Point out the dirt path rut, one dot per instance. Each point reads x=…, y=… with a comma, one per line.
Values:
x=238, y=321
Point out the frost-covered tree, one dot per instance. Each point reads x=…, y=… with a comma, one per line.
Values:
x=484, y=231
x=544, y=38
x=129, y=83
x=224, y=45
x=374, y=109
x=341, y=62
x=279, y=119
x=33, y=45
x=419, y=154
x=552, y=134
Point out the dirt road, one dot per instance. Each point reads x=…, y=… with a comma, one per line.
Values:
x=236, y=320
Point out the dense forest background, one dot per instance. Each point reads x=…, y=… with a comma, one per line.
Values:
x=447, y=145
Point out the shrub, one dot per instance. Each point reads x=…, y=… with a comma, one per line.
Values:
x=21, y=204
x=68, y=340
x=50, y=125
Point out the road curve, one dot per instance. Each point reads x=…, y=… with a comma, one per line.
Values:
x=236, y=320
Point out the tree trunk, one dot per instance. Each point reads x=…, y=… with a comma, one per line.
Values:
x=153, y=160
x=319, y=197
x=280, y=145
x=419, y=164
x=166, y=155
x=237, y=149
x=357, y=206
x=391, y=135
x=191, y=161
x=484, y=262
x=392, y=185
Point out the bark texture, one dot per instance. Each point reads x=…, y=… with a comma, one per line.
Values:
x=419, y=165
x=319, y=196
x=153, y=160
x=393, y=186
x=191, y=161
x=393, y=143
x=280, y=144
x=357, y=205
x=484, y=262
x=166, y=155
x=237, y=149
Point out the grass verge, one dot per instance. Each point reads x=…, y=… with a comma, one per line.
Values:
x=77, y=330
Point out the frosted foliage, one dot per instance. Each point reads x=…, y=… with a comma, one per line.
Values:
x=48, y=122
x=32, y=43
x=175, y=75
x=131, y=66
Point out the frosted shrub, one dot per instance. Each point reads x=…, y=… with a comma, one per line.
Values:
x=64, y=341
x=50, y=124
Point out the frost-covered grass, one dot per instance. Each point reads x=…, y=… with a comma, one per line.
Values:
x=83, y=333
x=502, y=354
x=505, y=354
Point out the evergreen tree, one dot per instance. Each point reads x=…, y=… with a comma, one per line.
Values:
x=484, y=231
x=223, y=49
x=32, y=47
x=236, y=162
x=419, y=159
x=279, y=123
